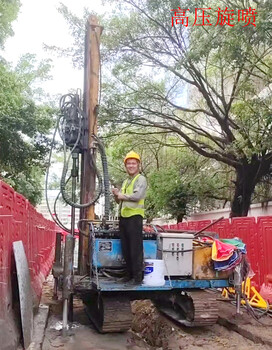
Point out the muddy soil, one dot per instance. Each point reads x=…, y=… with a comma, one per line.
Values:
x=150, y=330
x=82, y=335
x=162, y=333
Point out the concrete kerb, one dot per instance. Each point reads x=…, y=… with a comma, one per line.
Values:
x=246, y=333
x=40, y=323
x=245, y=325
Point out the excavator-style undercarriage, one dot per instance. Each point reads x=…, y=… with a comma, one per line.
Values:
x=192, y=309
x=110, y=311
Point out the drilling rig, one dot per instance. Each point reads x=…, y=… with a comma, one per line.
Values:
x=188, y=270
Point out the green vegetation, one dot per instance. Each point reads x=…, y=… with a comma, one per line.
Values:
x=222, y=70
x=177, y=177
x=208, y=86
x=9, y=10
x=24, y=123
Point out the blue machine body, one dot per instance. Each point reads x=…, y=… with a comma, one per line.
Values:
x=108, y=253
x=185, y=284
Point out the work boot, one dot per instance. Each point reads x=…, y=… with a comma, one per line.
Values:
x=126, y=278
x=135, y=282
x=137, y=279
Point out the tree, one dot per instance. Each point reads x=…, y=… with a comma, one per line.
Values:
x=167, y=194
x=9, y=10
x=24, y=124
x=24, y=127
x=222, y=69
x=177, y=177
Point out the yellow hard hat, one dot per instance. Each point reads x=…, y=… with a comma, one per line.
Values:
x=132, y=155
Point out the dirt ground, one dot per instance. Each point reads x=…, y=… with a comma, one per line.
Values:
x=82, y=335
x=161, y=333
x=150, y=330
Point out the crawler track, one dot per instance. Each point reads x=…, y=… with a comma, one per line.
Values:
x=195, y=309
x=110, y=314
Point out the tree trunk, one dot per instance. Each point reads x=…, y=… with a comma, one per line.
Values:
x=180, y=217
x=247, y=176
x=246, y=179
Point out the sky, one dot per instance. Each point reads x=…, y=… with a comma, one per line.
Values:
x=39, y=22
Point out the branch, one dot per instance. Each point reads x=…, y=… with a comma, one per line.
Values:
x=206, y=95
x=163, y=65
x=190, y=142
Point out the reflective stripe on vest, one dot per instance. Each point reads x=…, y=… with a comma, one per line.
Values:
x=128, y=208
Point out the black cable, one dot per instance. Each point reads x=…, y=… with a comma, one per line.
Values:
x=56, y=215
x=66, y=107
x=47, y=172
x=106, y=176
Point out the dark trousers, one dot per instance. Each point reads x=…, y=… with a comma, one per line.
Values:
x=131, y=235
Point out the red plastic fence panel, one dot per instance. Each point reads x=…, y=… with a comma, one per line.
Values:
x=5, y=259
x=6, y=199
x=193, y=225
x=263, y=254
x=257, y=234
x=203, y=223
x=182, y=225
x=173, y=226
x=222, y=227
x=20, y=221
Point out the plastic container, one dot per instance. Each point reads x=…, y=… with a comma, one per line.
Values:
x=154, y=273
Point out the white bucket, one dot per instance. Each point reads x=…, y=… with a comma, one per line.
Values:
x=154, y=273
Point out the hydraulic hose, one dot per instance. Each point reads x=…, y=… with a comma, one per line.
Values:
x=68, y=107
x=66, y=197
x=106, y=176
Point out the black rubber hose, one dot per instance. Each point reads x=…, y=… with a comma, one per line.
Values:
x=69, y=201
x=105, y=175
x=65, y=108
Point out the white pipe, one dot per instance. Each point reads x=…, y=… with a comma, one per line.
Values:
x=65, y=318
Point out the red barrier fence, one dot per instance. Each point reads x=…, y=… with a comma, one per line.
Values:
x=20, y=221
x=256, y=233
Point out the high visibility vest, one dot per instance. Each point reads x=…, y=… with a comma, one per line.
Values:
x=128, y=208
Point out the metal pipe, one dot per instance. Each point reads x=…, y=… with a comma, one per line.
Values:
x=58, y=248
x=238, y=303
x=55, y=295
x=238, y=286
x=211, y=224
x=74, y=175
x=65, y=318
x=67, y=277
x=57, y=268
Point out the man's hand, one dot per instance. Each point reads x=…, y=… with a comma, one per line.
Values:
x=120, y=196
x=115, y=191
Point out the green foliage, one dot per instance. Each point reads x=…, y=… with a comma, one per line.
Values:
x=226, y=71
x=32, y=73
x=24, y=124
x=28, y=183
x=77, y=30
x=167, y=195
x=222, y=69
x=9, y=10
x=178, y=179
x=23, y=129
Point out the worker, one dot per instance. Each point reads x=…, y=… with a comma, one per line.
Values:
x=131, y=213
